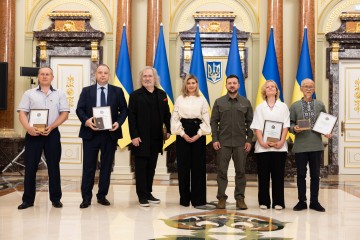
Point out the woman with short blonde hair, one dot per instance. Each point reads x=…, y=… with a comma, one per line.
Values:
x=263, y=90
x=271, y=152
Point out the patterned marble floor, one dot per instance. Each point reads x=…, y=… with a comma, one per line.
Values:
x=125, y=219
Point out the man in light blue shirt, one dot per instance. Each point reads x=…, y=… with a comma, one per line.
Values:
x=43, y=140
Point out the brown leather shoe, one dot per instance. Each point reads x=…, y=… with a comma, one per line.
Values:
x=221, y=203
x=240, y=204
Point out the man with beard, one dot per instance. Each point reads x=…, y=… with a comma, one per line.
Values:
x=230, y=123
x=148, y=113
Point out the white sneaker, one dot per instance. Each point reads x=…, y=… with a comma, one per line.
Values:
x=278, y=207
x=263, y=207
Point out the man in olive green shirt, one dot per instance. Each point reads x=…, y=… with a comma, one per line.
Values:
x=230, y=123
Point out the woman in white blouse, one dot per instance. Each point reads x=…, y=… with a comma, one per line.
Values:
x=271, y=153
x=190, y=121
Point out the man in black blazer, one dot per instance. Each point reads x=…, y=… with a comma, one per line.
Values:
x=94, y=139
x=148, y=112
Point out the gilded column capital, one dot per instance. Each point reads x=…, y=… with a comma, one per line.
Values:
x=42, y=46
x=94, y=51
x=335, y=46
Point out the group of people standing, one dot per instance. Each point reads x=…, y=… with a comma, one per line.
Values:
x=232, y=125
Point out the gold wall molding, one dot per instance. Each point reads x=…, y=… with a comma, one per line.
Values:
x=175, y=4
x=94, y=51
x=70, y=90
x=70, y=14
x=42, y=46
x=334, y=14
x=335, y=52
x=97, y=15
x=322, y=4
x=357, y=95
x=32, y=5
x=183, y=11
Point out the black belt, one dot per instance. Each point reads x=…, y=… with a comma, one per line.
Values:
x=191, y=120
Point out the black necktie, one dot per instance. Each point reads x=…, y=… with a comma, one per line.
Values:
x=102, y=97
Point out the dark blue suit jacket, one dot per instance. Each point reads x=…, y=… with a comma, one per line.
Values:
x=87, y=100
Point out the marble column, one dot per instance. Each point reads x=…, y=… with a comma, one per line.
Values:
x=306, y=18
x=154, y=18
x=7, y=54
x=123, y=17
x=122, y=165
x=275, y=19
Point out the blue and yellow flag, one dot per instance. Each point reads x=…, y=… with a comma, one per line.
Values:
x=123, y=79
x=234, y=65
x=304, y=68
x=162, y=67
x=197, y=68
x=270, y=69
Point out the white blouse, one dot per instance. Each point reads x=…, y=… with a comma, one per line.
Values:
x=279, y=113
x=190, y=107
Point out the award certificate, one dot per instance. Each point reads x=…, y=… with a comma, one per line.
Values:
x=324, y=123
x=304, y=124
x=272, y=131
x=38, y=118
x=102, y=117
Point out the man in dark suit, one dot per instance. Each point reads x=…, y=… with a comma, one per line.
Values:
x=148, y=112
x=94, y=139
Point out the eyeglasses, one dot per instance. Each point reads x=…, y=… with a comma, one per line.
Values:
x=308, y=88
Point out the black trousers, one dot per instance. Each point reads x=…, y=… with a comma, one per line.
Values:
x=34, y=146
x=191, y=166
x=145, y=170
x=107, y=146
x=314, y=160
x=271, y=165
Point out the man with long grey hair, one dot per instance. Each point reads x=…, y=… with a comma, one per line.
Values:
x=148, y=113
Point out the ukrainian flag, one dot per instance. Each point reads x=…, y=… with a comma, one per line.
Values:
x=234, y=65
x=270, y=69
x=197, y=68
x=162, y=67
x=123, y=79
x=304, y=69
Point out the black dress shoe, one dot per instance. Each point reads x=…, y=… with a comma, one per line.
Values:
x=25, y=205
x=317, y=207
x=300, y=206
x=184, y=204
x=57, y=204
x=103, y=201
x=85, y=204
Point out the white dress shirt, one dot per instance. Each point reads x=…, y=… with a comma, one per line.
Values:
x=279, y=113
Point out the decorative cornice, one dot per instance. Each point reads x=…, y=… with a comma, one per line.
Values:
x=217, y=14
x=349, y=15
x=70, y=14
